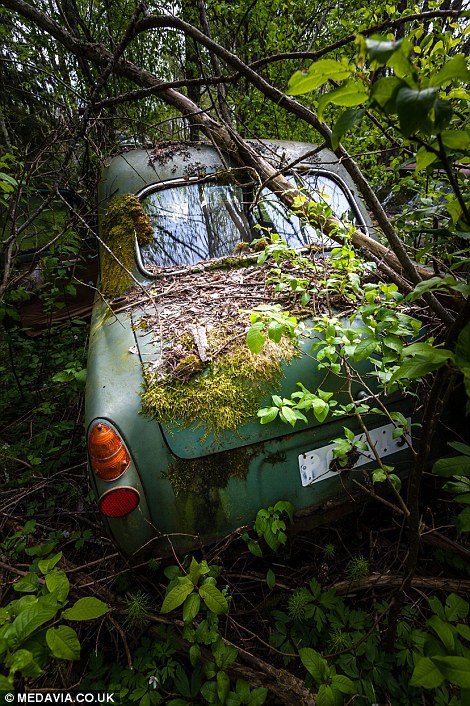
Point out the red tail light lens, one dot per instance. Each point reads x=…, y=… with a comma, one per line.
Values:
x=108, y=455
x=119, y=502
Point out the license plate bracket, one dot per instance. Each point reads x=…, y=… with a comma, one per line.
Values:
x=314, y=466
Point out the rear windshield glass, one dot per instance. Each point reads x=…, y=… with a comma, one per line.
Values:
x=205, y=220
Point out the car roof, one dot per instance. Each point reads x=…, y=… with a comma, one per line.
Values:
x=132, y=170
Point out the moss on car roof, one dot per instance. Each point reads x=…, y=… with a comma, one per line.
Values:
x=124, y=218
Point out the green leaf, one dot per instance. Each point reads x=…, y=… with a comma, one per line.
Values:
x=243, y=689
x=443, y=631
x=22, y=661
x=176, y=596
x=412, y=107
x=45, y=565
x=400, y=61
x=86, y=609
x=275, y=331
x=224, y=655
x=63, y=642
x=271, y=579
x=32, y=617
x=351, y=94
x=285, y=506
x=318, y=73
x=456, y=608
x=418, y=366
x=455, y=669
x=463, y=630
x=458, y=487
x=254, y=548
x=194, y=571
x=223, y=686
x=384, y=93
x=314, y=664
x=463, y=521
x=191, y=607
x=456, y=139
x=267, y=414
x=257, y=697
x=182, y=682
x=426, y=349
x=343, y=684
x=456, y=466
x=395, y=481
x=214, y=599
x=27, y=584
x=365, y=348
x=430, y=285
x=171, y=572
x=380, y=50
x=426, y=674
x=347, y=120
x=325, y=696
x=194, y=655
x=254, y=338
x=379, y=476
x=8, y=179
x=424, y=158
x=456, y=68
x=320, y=409
x=437, y=607
x=58, y=583
x=462, y=348
x=209, y=691
x=462, y=448
x=288, y=415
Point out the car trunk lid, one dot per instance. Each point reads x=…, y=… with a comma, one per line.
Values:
x=205, y=369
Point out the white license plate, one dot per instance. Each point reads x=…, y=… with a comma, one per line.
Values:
x=314, y=465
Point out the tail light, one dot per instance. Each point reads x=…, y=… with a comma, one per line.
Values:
x=108, y=455
x=119, y=502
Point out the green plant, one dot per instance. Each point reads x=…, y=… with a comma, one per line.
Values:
x=329, y=550
x=272, y=245
x=458, y=468
x=192, y=588
x=270, y=524
x=345, y=279
x=268, y=320
x=347, y=450
x=32, y=628
x=357, y=568
x=332, y=687
x=196, y=590
x=442, y=653
x=137, y=610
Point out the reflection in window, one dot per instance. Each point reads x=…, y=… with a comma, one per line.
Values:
x=195, y=222
x=200, y=221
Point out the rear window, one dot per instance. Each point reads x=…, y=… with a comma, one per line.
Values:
x=204, y=220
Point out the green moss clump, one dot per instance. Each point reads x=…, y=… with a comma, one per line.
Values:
x=188, y=366
x=231, y=262
x=124, y=217
x=226, y=395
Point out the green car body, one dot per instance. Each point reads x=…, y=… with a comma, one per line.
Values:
x=193, y=485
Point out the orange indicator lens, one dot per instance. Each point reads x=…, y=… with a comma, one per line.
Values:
x=108, y=455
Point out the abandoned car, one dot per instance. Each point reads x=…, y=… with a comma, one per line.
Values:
x=195, y=253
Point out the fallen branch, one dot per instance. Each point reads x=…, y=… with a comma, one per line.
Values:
x=393, y=581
